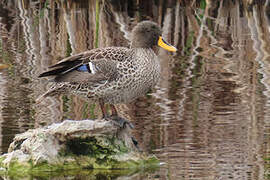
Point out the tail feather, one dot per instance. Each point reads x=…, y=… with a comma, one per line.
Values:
x=63, y=68
x=70, y=61
x=54, y=72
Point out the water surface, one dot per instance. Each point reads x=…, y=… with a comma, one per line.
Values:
x=208, y=118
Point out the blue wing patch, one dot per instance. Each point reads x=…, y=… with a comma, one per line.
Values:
x=84, y=68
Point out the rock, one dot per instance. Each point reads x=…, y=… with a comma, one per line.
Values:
x=85, y=144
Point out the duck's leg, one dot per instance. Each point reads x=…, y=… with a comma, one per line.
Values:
x=121, y=121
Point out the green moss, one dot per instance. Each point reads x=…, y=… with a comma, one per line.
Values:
x=2, y=169
x=84, y=154
x=97, y=147
x=18, y=170
x=95, y=152
x=79, y=165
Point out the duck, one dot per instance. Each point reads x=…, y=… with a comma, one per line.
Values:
x=111, y=75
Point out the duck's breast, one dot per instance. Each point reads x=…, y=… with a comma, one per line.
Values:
x=137, y=76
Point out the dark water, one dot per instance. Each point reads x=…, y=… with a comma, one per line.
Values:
x=209, y=116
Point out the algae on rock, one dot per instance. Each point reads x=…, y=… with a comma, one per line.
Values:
x=72, y=145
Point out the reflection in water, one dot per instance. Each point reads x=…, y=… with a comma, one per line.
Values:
x=208, y=118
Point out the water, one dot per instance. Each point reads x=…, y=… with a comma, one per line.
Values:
x=208, y=118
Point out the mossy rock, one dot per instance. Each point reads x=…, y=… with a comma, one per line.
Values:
x=74, y=147
x=78, y=165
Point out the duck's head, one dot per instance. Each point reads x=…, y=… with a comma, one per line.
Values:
x=147, y=34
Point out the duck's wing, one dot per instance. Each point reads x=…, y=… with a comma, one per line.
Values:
x=91, y=66
x=95, y=71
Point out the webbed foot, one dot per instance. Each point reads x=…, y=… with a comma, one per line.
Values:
x=121, y=122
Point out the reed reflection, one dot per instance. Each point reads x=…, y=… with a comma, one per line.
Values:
x=208, y=117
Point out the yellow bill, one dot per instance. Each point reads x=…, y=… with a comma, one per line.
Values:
x=166, y=45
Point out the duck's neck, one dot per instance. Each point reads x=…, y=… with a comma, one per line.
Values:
x=153, y=50
x=147, y=53
x=144, y=49
x=140, y=44
x=141, y=47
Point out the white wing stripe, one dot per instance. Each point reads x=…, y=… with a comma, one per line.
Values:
x=92, y=68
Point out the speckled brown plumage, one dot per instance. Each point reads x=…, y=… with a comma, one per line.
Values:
x=113, y=74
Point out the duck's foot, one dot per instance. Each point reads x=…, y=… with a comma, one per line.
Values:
x=120, y=121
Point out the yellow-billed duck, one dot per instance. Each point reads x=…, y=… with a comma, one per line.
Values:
x=113, y=74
